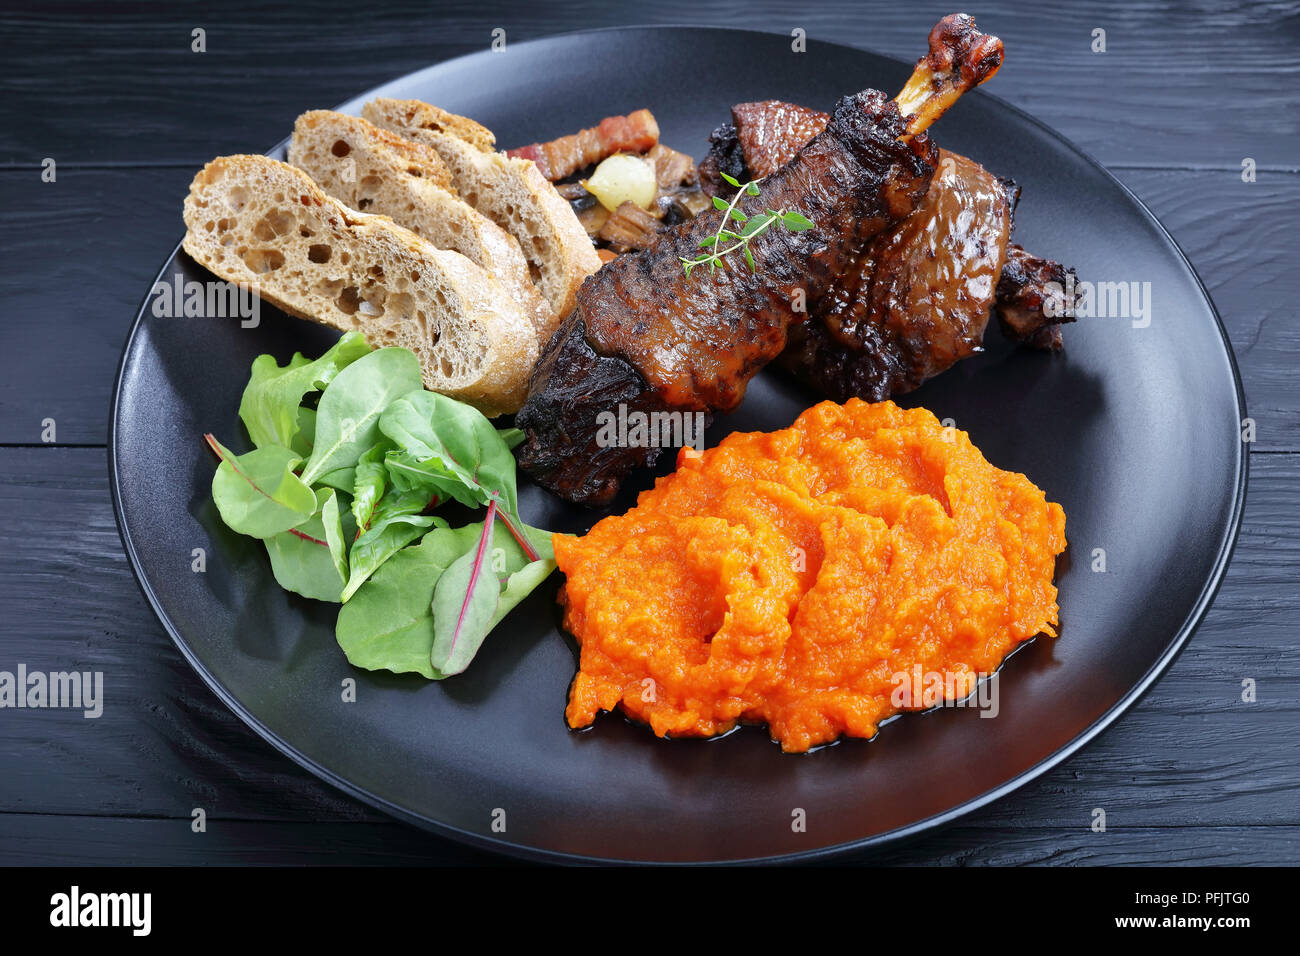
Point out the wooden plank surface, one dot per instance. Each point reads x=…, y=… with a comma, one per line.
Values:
x=121, y=84
x=1191, y=775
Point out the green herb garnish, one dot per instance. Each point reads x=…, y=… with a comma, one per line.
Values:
x=751, y=227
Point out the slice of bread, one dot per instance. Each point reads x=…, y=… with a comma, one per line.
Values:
x=416, y=114
x=374, y=152
x=265, y=225
x=373, y=170
x=516, y=196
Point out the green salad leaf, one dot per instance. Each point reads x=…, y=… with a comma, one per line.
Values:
x=303, y=438
x=511, y=436
x=331, y=518
x=344, y=479
x=257, y=493
x=269, y=407
x=450, y=447
x=395, y=524
x=369, y=482
x=347, y=417
x=464, y=604
x=390, y=622
x=311, y=559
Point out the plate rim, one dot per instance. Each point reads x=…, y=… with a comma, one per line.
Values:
x=1205, y=598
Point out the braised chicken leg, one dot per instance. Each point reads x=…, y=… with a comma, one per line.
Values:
x=651, y=337
x=918, y=298
x=646, y=334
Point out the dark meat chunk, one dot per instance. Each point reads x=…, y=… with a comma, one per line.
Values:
x=629, y=227
x=698, y=339
x=1033, y=298
x=673, y=170
x=771, y=132
x=760, y=139
x=695, y=341
x=917, y=299
x=725, y=156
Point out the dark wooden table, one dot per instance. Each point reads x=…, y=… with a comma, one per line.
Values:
x=127, y=112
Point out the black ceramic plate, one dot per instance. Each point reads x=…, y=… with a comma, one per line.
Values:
x=1134, y=430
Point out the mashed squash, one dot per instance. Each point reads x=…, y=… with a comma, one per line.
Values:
x=789, y=577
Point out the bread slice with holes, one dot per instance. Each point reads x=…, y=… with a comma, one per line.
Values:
x=511, y=192
x=399, y=115
x=362, y=149
x=267, y=226
x=373, y=170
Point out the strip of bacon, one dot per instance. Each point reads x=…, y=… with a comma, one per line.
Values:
x=634, y=133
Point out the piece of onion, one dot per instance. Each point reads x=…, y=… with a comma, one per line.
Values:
x=622, y=178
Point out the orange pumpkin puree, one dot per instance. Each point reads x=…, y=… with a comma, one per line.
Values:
x=789, y=577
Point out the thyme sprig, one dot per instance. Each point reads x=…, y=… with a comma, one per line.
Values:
x=751, y=227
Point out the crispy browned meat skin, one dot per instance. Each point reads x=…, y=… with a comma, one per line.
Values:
x=698, y=339
x=695, y=341
x=917, y=299
x=571, y=386
x=629, y=227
